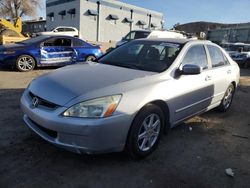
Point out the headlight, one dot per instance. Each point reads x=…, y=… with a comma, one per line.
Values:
x=96, y=108
x=8, y=52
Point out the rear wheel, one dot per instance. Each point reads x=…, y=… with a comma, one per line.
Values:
x=227, y=99
x=25, y=63
x=145, y=132
x=91, y=58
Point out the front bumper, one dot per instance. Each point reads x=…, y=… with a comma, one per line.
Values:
x=78, y=135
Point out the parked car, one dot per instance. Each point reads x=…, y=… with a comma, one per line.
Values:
x=133, y=95
x=239, y=52
x=47, y=51
x=138, y=34
x=62, y=30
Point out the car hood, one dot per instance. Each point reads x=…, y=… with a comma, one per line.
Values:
x=65, y=84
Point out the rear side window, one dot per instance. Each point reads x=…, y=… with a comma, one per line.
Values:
x=69, y=29
x=217, y=57
x=77, y=43
x=196, y=55
x=139, y=35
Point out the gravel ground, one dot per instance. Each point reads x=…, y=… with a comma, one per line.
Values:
x=184, y=158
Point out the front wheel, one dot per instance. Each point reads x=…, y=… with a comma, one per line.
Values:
x=227, y=99
x=25, y=63
x=145, y=132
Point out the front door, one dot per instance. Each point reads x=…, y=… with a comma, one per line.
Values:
x=57, y=51
x=192, y=93
x=221, y=72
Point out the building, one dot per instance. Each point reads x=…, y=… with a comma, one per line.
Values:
x=231, y=35
x=103, y=20
x=34, y=26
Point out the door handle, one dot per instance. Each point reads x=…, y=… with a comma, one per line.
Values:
x=208, y=78
x=229, y=72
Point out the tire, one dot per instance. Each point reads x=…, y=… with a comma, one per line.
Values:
x=91, y=58
x=9, y=33
x=143, y=138
x=25, y=63
x=227, y=100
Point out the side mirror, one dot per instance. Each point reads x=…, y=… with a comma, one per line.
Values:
x=190, y=69
x=55, y=31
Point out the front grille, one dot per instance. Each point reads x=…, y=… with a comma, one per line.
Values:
x=49, y=132
x=43, y=102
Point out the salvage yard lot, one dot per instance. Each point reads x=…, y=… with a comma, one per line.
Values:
x=187, y=157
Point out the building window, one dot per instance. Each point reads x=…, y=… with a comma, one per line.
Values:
x=113, y=18
x=128, y=20
x=62, y=14
x=141, y=24
x=51, y=16
x=153, y=25
x=93, y=13
x=72, y=13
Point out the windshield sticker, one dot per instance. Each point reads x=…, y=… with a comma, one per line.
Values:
x=171, y=45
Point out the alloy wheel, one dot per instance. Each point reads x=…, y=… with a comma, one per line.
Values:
x=149, y=132
x=228, y=97
x=25, y=63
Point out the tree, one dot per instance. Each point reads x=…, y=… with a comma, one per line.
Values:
x=13, y=9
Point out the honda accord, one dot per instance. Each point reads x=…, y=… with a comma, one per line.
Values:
x=131, y=96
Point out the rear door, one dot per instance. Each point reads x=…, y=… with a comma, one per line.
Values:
x=57, y=51
x=70, y=32
x=192, y=93
x=221, y=72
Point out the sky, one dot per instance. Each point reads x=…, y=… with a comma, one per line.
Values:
x=184, y=11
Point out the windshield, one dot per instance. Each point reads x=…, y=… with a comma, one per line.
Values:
x=34, y=40
x=155, y=56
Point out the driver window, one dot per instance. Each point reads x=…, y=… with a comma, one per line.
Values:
x=196, y=55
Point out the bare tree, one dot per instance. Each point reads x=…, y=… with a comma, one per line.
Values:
x=18, y=8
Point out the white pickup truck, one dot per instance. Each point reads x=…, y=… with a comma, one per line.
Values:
x=62, y=30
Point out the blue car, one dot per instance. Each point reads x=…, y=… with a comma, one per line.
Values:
x=47, y=51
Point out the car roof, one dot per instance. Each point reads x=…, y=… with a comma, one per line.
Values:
x=175, y=40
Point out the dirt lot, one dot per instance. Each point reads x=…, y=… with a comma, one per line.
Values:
x=185, y=158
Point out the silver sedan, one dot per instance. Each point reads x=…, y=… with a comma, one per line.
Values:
x=131, y=96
